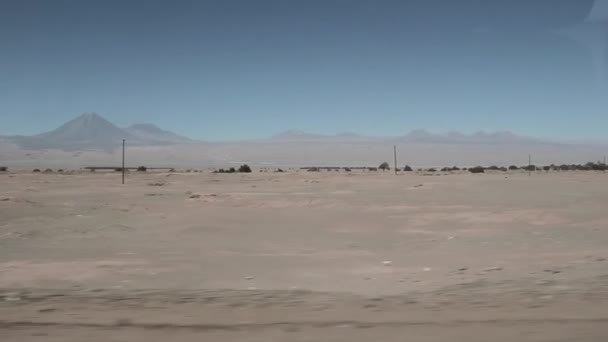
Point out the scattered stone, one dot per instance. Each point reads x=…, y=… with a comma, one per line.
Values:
x=418, y=186
x=249, y=278
x=451, y=237
x=600, y=259
x=493, y=269
x=188, y=192
x=462, y=269
x=12, y=298
x=5, y=199
x=47, y=310
x=387, y=263
x=427, y=269
x=553, y=271
x=195, y=196
x=123, y=322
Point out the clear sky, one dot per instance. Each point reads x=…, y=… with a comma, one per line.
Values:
x=231, y=69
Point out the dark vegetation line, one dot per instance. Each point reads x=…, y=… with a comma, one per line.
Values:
x=590, y=166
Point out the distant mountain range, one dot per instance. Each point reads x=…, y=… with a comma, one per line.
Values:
x=415, y=136
x=92, y=140
x=92, y=131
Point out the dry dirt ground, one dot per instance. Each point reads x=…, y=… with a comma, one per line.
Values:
x=303, y=256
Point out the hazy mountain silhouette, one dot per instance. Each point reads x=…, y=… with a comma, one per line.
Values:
x=501, y=137
x=154, y=134
x=90, y=131
x=415, y=136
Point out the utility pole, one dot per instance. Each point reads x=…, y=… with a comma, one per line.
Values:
x=123, y=161
x=395, y=154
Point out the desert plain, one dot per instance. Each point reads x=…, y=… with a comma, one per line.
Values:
x=304, y=256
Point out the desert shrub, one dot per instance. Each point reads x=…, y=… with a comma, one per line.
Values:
x=503, y=169
x=142, y=169
x=547, y=168
x=3, y=168
x=372, y=169
x=347, y=169
x=48, y=170
x=172, y=170
x=599, y=166
x=279, y=170
x=465, y=169
x=431, y=170
x=384, y=166
x=313, y=169
x=513, y=167
x=477, y=169
x=231, y=170
x=118, y=169
x=493, y=167
x=530, y=168
x=455, y=168
x=446, y=169
x=244, y=168
x=407, y=168
x=60, y=170
x=36, y=170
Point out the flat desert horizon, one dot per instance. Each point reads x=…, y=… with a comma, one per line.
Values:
x=304, y=256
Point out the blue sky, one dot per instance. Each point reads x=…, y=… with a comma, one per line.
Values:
x=228, y=69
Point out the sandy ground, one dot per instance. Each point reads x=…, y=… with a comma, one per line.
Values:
x=303, y=256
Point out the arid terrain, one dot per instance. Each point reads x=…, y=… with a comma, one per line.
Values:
x=304, y=256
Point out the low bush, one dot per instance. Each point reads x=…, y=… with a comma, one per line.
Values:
x=3, y=168
x=142, y=169
x=477, y=169
x=244, y=168
x=407, y=168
